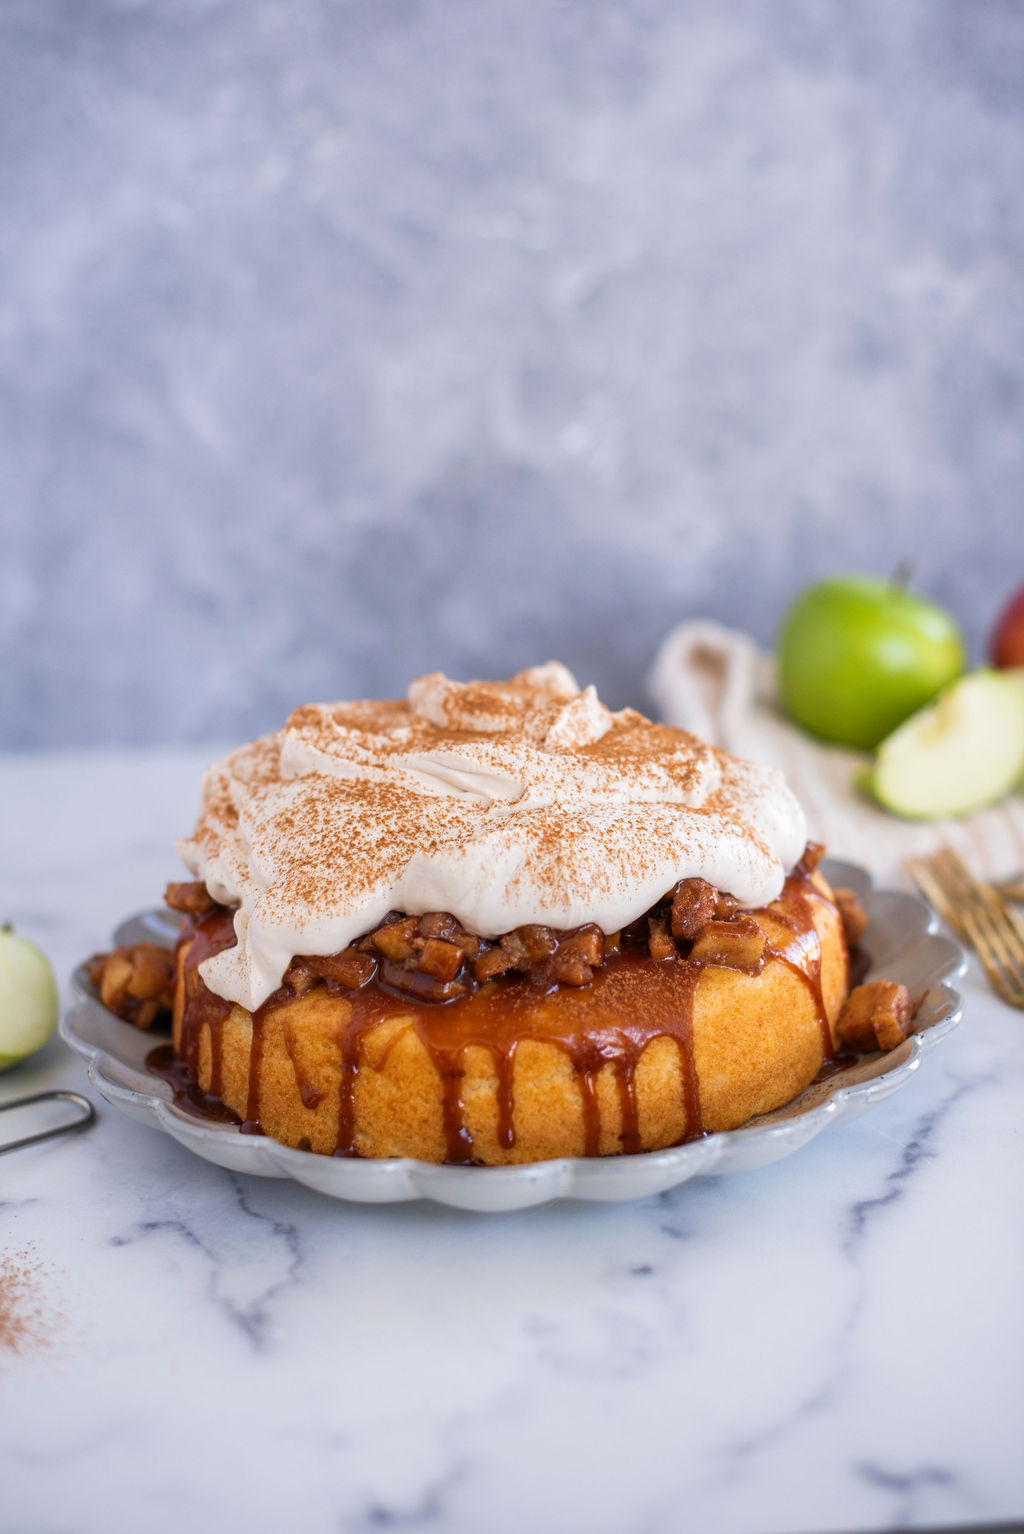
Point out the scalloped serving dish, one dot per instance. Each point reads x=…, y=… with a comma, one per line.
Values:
x=902, y=944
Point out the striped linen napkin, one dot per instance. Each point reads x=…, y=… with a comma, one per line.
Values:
x=715, y=682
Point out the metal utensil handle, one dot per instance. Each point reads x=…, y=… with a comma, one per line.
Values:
x=86, y=1116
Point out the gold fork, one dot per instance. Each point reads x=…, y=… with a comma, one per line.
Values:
x=976, y=911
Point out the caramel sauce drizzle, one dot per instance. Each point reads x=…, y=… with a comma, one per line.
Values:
x=311, y=1096
x=202, y=937
x=251, y=1123
x=632, y=1000
x=188, y=1094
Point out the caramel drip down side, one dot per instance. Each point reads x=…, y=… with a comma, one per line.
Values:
x=688, y=1063
x=802, y=955
x=502, y=1014
x=505, y=1066
x=251, y=1125
x=631, y=1001
x=311, y=1096
x=202, y=937
x=629, y=1113
x=346, y=1145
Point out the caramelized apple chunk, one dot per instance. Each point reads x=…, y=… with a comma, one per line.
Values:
x=136, y=982
x=349, y=968
x=563, y=969
x=694, y=902
x=491, y=963
x=300, y=977
x=876, y=1016
x=395, y=941
x=812, y=856
x=190, y=898
x=735, y=944
x=535, y=940
x=440, y=958
x=574, y=958
x=660, y=942
x=586, y=943
x=417, y=982
x=438, y=924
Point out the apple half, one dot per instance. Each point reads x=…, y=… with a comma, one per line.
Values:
x=28, y=998
x=960, y=753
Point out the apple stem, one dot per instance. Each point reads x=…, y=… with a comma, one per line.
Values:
x=903, y=574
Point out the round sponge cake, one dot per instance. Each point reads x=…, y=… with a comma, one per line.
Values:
x=650, y=1053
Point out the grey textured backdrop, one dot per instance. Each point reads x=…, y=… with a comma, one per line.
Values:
x=340, y=341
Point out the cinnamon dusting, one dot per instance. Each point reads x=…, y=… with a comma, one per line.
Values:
x=26, y=1320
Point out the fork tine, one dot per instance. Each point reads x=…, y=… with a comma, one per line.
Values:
x=1005, y=940
x=981, y=942
x=1018, y=921
x=1002, y=976
x=921, y=872
x=939, y=884
x=992, y=916
x=996, y=917
x=976, y=911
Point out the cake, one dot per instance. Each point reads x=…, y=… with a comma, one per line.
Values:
x=496, y=923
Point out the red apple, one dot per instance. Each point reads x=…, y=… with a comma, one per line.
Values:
x=1008, y=638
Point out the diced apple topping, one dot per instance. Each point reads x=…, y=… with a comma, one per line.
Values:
x=876, y=1016
x=349, y=968
x=395, y=941
x=693, y=905
x=190, y=898
x=491, y=963
x=812, y=856
x=660, y=943
x=136, y=982
x=441, y=959
x=300, y=977
x=432, y=957
x=736, y=944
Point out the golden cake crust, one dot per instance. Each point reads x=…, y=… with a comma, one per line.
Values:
x=650, y=1053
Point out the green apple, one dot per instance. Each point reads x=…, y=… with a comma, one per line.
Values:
x=857, y=656
x=28, y=998
x=960, y=753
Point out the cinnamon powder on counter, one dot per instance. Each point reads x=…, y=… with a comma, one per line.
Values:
x=25, y=1321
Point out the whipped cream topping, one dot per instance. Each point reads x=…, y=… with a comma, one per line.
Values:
x=501, y=802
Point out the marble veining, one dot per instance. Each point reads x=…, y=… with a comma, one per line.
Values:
x=826, y=1395
x=245, y=1294
x=828, y=1344
x=917, y=1150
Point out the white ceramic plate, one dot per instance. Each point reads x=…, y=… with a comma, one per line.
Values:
x=901, y=941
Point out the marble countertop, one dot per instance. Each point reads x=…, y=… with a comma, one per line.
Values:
x=830, y=1343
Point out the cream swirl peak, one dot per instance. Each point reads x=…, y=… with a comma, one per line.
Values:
x=501, y=802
